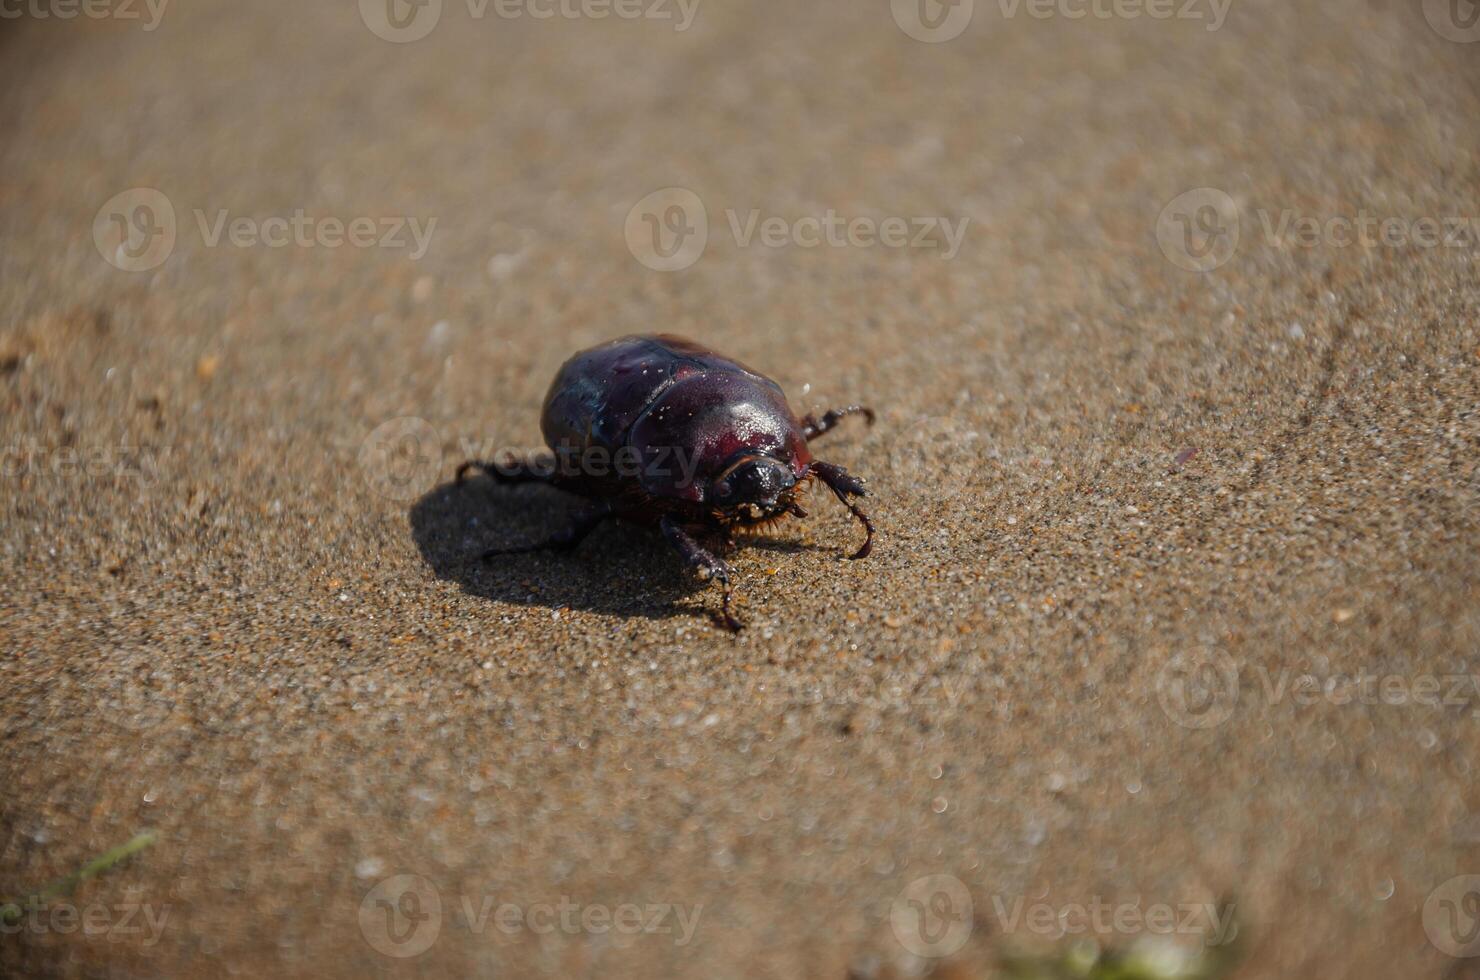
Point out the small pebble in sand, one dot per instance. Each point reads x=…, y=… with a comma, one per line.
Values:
x=422, y=289
x=1342, y=615
x=438, y=336
x=369, y=867
x=504, y=265
x=206, y=367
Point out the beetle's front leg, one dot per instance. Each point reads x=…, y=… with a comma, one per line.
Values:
x=812, y=426
x=845, y=485
x=702, y=561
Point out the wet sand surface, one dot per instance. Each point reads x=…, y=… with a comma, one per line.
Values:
x=1106, y=484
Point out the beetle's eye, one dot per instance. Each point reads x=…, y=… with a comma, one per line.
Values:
x=722, y=488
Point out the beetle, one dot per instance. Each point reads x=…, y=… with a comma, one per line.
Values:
x=661, y=431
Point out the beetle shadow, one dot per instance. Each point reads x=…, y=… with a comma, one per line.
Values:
x=618, y=569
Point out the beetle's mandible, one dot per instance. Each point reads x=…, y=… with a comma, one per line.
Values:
x=659, y=430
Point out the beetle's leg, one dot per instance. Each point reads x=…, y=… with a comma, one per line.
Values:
x=844, y=485
x=565, y=539
x=812, y=426
x=511, y=469
x=705, y=564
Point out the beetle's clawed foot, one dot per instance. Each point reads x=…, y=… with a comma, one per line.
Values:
x=845, y=485
x=705, y=565
x=711, y=569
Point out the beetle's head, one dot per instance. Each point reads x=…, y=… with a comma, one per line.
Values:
x=753, y=489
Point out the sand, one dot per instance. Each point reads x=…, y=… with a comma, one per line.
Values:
x=1102, y=478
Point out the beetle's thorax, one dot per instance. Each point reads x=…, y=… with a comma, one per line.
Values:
x=728, y=434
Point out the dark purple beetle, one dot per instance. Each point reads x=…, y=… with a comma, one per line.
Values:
x=660, y=430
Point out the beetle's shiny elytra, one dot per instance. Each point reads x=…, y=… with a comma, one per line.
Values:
x=662, y=431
